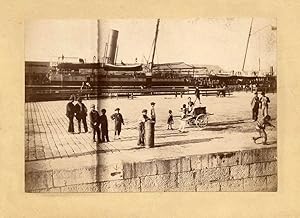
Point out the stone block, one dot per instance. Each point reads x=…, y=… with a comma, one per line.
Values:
x=186, y=179
x=255, y=184
x=209, y=187
x=47, y=190
x=247, y=157
x=259, y=155
x=239, y=171
x=271, y=154
x=232, y=186
x=212, y=174
x=263, y=169
x=109, y=172
x=183, y=189
x=199, y=162
x=92, y=187
x=229, y=158
x=272, y=182
x=74, y=176
x=124, y=185
x=224, y=159
x=213, y=160
x=173, y=165
x=159, y=183
x=38, y=180
x=139, y=169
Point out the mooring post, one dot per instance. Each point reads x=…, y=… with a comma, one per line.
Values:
x=149, y=134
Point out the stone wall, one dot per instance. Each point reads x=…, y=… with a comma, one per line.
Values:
x=247, y=170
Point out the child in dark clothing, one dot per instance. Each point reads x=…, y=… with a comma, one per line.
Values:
x=95, y=122
x=141, y=128
x=170, y=120
x=104, y=126
x=118, y=118
x=260, y=127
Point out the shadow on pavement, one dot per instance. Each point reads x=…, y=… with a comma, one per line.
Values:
x=231, y=122
x=183, y=142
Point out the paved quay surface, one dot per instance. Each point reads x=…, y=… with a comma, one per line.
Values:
x=229, y=128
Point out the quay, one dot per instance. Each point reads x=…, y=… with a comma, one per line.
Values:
x=219, y=157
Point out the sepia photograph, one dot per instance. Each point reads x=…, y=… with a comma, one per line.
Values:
x=151, y=105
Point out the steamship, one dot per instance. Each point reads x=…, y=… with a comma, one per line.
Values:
x=107, y=74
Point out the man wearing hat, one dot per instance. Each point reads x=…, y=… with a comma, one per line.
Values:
x=118, y=118
x=255, y=106
x=70, y=111
x=95, y=122
x=152, y=112
x=264, y=104
x=81, y=113
x=141, y=128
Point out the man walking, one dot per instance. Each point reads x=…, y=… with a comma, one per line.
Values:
x=197, y=94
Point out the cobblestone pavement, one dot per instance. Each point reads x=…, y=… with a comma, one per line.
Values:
x=46, y=135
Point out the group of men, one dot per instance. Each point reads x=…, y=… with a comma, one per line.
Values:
x=79, y=111
x=259, y=103
x=261, y=124
x=99, y=123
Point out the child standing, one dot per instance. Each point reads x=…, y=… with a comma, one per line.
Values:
x=104, y=126
x=141, y=128
x=94, y=119
x=170, y=120
x=260, y=127
x=118, y=118
x=182, y=118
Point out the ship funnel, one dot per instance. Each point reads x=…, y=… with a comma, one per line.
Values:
x=112, y=46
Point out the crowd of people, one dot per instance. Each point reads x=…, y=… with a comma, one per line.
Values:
x=99, y=123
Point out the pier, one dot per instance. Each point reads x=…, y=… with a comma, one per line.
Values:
x=57, y=161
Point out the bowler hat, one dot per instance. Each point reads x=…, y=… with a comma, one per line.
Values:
x=117, y=109
x=72, y=97
x=152, y=103
x=145, y=110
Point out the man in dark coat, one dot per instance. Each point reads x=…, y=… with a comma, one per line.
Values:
x=197, y=94
x=81, y=113
x=95, y=122
x=70, y=111
x=255, y=106
x=104, y=126
x=118, y=118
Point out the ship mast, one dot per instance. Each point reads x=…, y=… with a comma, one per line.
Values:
x=154, y=48
x=247, y=44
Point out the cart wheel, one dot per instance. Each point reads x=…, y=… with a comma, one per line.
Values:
x=201, y=120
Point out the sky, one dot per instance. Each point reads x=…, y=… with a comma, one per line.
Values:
x=217, y=41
